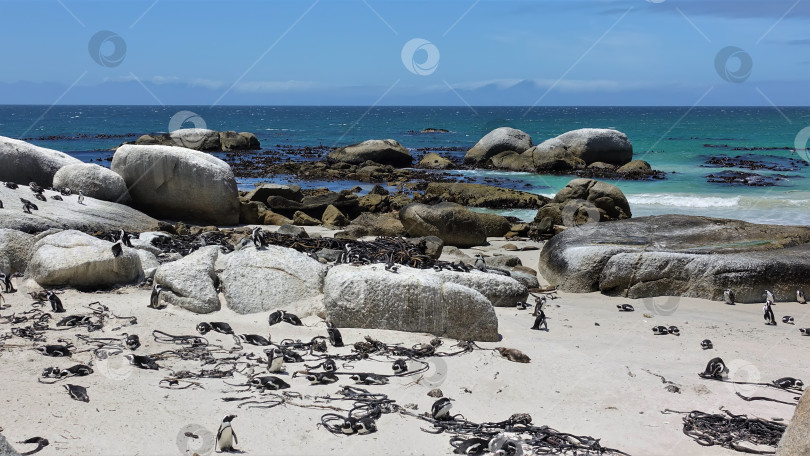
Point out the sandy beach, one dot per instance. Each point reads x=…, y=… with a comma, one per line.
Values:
x=595, y=372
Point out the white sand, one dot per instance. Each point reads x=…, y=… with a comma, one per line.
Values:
x=583, y=379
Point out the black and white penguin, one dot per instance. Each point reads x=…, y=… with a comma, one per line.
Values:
x=269, y=382
x=800, y=297
x=56, y=303
x=660, y=330
x=79, y=370
x=480, y=263
x=78, y=393
x=329, y=365
x=124, y=237
x=226, y=437
x=55, y=351
x=72, y=321
x=35, y=187
x=400, y=366
x=255, y=339
x=28, y=206
x=728, y=296
x=788, y=382
x=769, y=296
x=440, y=410
x=348, y=426
x=275, y=360
x=81, y=197
x=767, y=313
x=291, y=356
x=132, y=341
x=365, y=425
x=706, y=344
x=787, y=319
x=335, y=338
x=716, y=369
x=65, y=191
x=203, y=328
x=5, y=283
x=539, y=314
x=625, y=308
x=154, y=299
x=369, y=379
x=12, y=185
x=53, y=372
x=40, y=197
x=142, y=362
x=117, y=249
x=674, y=330
x=521, y=305
x=281, y=315
x=221, y=327
x=56, y=197
x=321, y=378
x=805, y=331
x=473, y=446
x=257, y=236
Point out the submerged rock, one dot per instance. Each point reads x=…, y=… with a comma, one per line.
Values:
x=478, y=195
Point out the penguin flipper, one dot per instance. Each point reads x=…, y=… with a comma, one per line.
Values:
x=235, y=440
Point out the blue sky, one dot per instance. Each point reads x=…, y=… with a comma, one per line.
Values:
x=338, y=52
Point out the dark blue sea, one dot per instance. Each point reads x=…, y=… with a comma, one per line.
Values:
x=677, y=140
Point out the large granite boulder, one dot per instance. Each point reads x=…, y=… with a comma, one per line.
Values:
x=545, y=158
x=179, y=183
x=494, y=225
x=92, y=215
x=453, y=223
x=502, y=291
x=6, y=449
x=409, y=300
x=231, y=140
x=796, y=439
x=434, y=161
x=23, y=162
x=498, y=140
x=589, y=144
x=16, y=249
x=513, y=161
x=270, y=278
x=478, y=195
x=191, y=282
x=680, y=255
x=94, y=181
x=201, y=139
x=264, y=191
x=608, y=199
x=72, y=258
x=382, y=151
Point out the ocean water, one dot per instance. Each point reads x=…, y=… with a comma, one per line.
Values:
x=677, y=140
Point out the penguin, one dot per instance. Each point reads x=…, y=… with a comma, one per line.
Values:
x=321, y=378
x=258, y=237
x=805, y=331
x=769, y=296
x=35, y=187
x=79, y=370
x=56, y=303
x=55, y=351
x=335, y=338
x=480, y=263
x=716, y=369
x=154, y=299
x=28, y=206
x=348, y=426
x=65, y=191
x=674, y=330
x=625, y=308
x=275, y=317
x=800, y=298
x=369, y=379
x=391, y=266
x=132, y=341
x=290, y=356
x=767, y=313
x=72, y=321
x=472, y=446
x=53, y=372
x=40, y=197
x=365, y=425
x=400, y=367
x=56, y=197
x=81, y=197
x=788, y=382
x=275, y=360
x=540, y=315
x=281, y=315
x=203, y=328
x=329, y=365
x=787, y=319
x=520, y=305
x=269, y=382
x=8, y=287
x=117, y=249
x=660, y=330
x=728, y=296
x=12, y=185
x=142, y=362
x=218, y=326
x=440, y=410
x=706, y=344
x=124, y=237
x=226, y=437
x=77, y=393
x=1, y=204
x=255, y=339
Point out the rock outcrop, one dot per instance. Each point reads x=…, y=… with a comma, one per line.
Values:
x=23, y=162
x=796, y=439
x=16, y=249
x=498, y=140
x=434, y=161
x=588, y=144
x=202, y=139
x=94, y=181
x=191, y=282
x=453, y=223
x=478, y=195
x=382, y=151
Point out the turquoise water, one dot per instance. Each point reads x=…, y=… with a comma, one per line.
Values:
x=672, y=139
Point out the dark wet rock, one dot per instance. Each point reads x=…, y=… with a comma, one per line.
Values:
x=231, y=140
x=453, y=223
x=434, y=161
x=679, y=255
x=477, y=195
x=302, y=219
x=747, y=179
x=384, y=152
x=292, y=230
x=756, y=162
x=264, y=191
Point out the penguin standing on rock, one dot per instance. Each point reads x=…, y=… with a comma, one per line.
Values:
x=768, y=313
x=257, y=236
x=226, y=437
